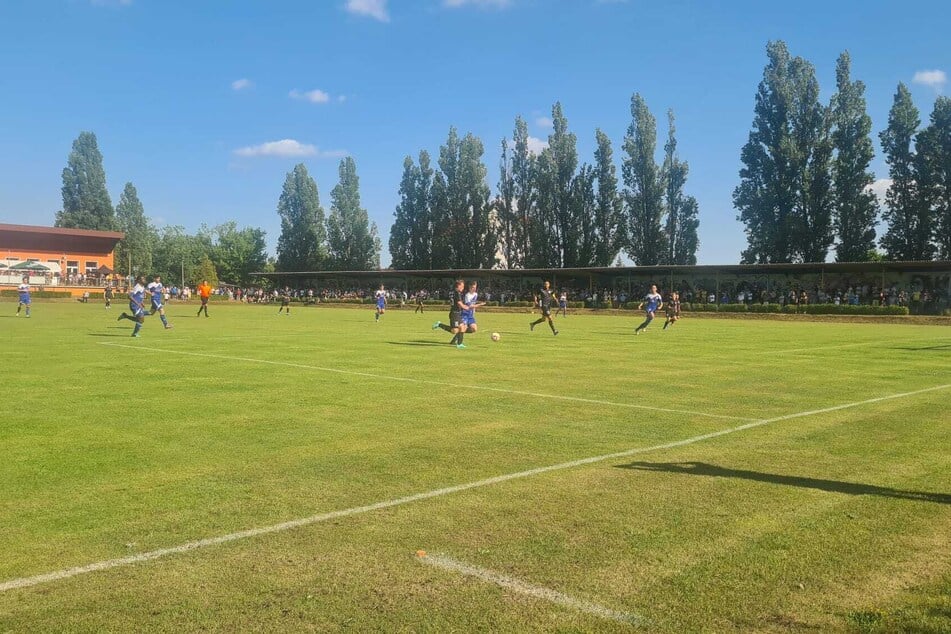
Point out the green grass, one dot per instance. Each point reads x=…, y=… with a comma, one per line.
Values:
x=834, y=521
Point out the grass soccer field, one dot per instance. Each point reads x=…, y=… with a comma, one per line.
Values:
x=251, y=471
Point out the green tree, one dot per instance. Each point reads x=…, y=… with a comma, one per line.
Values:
x=237, y=253
x=934, y=173
x=558, y=228
x=138, y=244
x=354, y=243
x=178, y=255
x=785, y=193
x=856, y=206
x=302, y=245
x=644, y=194
x=524, y=193
x=608, y=215
x=204, y=271
x=463, y=236
x=86, y=202
x=411, y=233
x=506, y=212
x=682, y=210
x=909, y=232
x=584, y=208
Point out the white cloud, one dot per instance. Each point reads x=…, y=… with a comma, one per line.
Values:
x=375, y=9
x=313, y=96
x=535, y=145
x=544, y=122
x=934, y=78
x=879, y=187
x=242, y=84
x=482, y=4
x=287, y=148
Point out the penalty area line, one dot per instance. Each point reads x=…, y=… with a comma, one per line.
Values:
x=25, y=582
x=405, y=379
x=529, y=589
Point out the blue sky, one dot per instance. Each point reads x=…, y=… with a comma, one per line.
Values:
x=189, y=99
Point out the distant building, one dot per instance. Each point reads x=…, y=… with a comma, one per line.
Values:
x=65, y=254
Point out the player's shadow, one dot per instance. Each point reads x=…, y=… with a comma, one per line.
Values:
x=103, y=334
x=418, y=342
x=833, y=486
x=940, y=346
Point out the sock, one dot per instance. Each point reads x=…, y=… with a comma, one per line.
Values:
x=27, y=311
x=535, y=323
x=377, y=317
x=164, y=321
x=445, y=327
x=454, y=340
x=459, y=336
x=551, y=325
x=138, y=327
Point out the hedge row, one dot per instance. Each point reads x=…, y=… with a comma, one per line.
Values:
x=806, y=309
x=36, y=294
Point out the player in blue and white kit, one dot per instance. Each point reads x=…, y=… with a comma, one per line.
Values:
x=24, y=292
x=651, y=304
x=157, y=291
x=380, y=302
x=471, y=300
x=136, y=305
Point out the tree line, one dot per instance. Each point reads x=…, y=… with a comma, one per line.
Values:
x=548, y=211
x=805, y=184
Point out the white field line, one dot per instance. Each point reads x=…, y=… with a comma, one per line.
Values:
x=24, y=582
x=404, y=379
x=539, y=592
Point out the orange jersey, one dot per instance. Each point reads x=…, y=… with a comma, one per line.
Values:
x=204, y=290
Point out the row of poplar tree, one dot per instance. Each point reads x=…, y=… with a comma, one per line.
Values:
x=805, y=184
x=549, y=211
x=344, y=241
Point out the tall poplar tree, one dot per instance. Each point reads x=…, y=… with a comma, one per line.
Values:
x=856, y=206
x=86, y=202
x=644, y=193
x=608, y=215
x=404, y=220
x=138, y=245
x=506, y=213
x=682, y=210
x=584, y=203
x=302, y=245
x=524, y=191
x=785, y=193
x=354, y=244
x=934, y=172
x=558, y=226
x=909, y=232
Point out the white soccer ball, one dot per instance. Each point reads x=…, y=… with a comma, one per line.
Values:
x=496, y=336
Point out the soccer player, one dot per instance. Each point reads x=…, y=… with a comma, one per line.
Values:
x=545, y=299
x=419, y=302
x=204, y=291
x=472, y=302
x=563, y=303
x=673, y=309
x=157, y=291
x=380, y=303
x=457, y=304
x=24, y=292
x=285, y=301
x=136, y=305
x=108, y=295
x=651, y=304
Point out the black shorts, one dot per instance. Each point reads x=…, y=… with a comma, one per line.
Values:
x=204, y=300
x=455, y=319
x=546, y=311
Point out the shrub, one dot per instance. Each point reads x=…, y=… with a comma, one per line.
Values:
x=519, y=304
x=12, y=292
x=732, y=308
x=765, y=308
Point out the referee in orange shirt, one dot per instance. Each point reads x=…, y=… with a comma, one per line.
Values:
x=204, y=291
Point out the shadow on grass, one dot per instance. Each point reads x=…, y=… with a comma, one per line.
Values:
x=941, y=346
x=102, y=334
x=418, y=342
x=833, y=486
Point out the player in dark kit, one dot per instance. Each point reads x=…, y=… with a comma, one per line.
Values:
x=457, y=304
x=545, y=300
x=285, y=301
x=673, y=310
x=419, y=303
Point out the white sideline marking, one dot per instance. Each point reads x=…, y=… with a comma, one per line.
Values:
x=24, y=582
x=484, y=388
x=539, y=592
